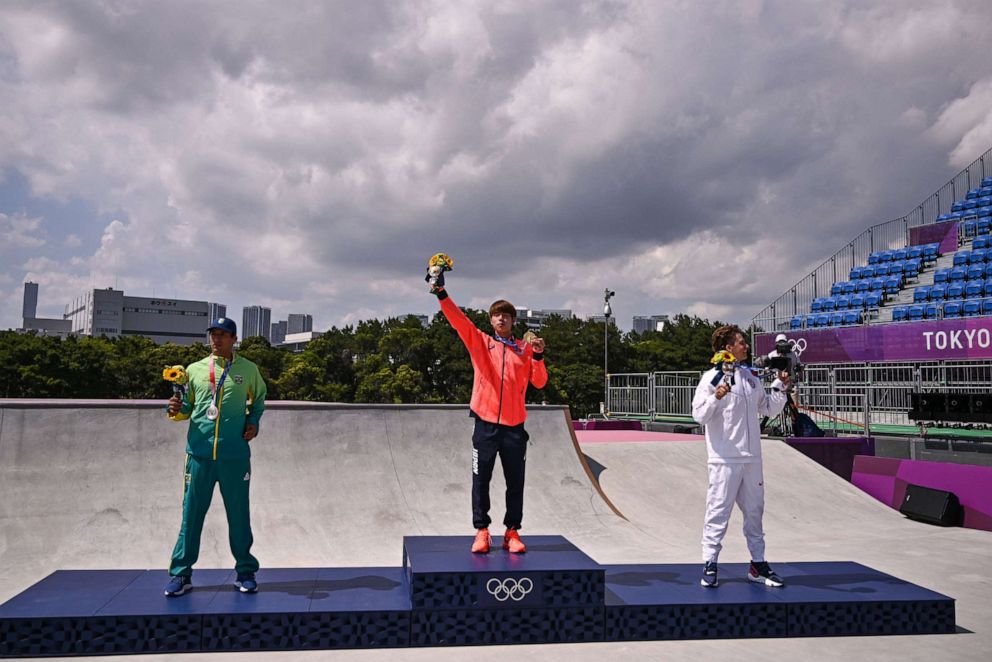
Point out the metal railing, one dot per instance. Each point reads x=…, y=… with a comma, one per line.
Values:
x=891, y=234
x=840, y=397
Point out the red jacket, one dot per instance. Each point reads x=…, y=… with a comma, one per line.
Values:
x=501, y=374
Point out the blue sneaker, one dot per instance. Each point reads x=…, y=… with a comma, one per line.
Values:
x=178, y=584
x=246, y=582
x=709, y=579
x=762, y=573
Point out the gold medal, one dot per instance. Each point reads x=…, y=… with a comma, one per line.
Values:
x=212, y=412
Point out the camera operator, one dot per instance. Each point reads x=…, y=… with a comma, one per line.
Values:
x=782, y=358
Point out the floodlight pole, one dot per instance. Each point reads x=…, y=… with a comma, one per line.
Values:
x=607, y=312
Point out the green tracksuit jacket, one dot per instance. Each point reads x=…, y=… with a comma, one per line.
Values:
x=241, y=401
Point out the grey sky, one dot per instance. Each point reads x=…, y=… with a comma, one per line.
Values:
x=310, y=156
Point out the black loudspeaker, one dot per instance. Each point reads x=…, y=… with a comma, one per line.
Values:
x=928, y=406
x=933, y=506
x=981, y=407
x=958, y=403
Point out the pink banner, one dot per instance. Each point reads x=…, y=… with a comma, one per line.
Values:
x=967, y=338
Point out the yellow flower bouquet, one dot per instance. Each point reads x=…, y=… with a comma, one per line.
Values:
x=436, y=266
x=176, y=374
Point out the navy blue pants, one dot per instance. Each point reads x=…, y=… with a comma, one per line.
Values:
x=510, y=443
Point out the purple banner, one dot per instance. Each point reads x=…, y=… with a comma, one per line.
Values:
x=945, y=234
x=969, y=338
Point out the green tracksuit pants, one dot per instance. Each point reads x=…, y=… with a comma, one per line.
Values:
x=234, y=476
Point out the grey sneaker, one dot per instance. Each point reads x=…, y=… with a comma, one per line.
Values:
x=762, y=573
x=709, y=579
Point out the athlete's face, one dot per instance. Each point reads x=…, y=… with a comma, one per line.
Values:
x=738, y=348
x=222, y=342
x=502, y=324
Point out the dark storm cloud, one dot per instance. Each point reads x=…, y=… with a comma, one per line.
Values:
x=552, y=146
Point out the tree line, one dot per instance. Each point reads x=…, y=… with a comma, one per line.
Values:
x=376, y=361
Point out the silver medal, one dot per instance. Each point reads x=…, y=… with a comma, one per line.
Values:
x=212, y=412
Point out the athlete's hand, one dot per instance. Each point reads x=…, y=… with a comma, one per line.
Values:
x=538, y=345
x=722, y=390
x=175, y=404
x=251, y=431
x=784, y=377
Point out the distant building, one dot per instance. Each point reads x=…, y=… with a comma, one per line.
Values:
x=278, y=333
x=602, y=318
x=423, y=319
x=256, y=321
x=299, y=323
x=297, y=342
x=644, y=323
x=30, y=308
x=110, y=313
x=535, y=318
x=216, y=311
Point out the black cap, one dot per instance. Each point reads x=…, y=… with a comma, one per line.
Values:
x=224, y=324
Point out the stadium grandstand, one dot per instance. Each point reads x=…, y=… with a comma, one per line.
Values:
x=903, y=308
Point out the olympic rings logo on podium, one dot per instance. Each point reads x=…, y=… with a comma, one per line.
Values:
x=509, y=588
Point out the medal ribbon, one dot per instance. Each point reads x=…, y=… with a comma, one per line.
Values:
x=509, y=342
x=215, y=388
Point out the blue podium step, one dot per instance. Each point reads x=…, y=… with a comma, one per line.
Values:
x=444, y=595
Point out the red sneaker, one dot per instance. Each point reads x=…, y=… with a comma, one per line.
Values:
x=482, y=542
x=512, y=542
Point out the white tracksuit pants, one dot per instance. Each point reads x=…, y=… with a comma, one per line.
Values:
x=744, y=485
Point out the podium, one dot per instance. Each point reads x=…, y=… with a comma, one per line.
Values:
x=443, y=595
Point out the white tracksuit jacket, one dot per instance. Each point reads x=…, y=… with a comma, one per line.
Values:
x=732, y=432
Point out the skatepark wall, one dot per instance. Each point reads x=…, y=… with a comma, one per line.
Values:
x=98, y=484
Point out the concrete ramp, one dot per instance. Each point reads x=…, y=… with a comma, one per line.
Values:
x=99, y=485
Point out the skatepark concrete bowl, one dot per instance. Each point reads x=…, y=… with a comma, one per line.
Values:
x=98, y=484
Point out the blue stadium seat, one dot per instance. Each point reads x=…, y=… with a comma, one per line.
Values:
x=931, y=311
x=898, y=255
x=986, y=306
x=869, y=270
x=915, y=312
x=914, y=253
x=975, y=272
x=971, y=308
x=938, y=292
x=972, y=194
x=857, y=301
x=851, y=286
x=885, y=256
x=837, y=288
x=984, y=191
x=941, y=275
x=955, y=290
x=829, y=304
x=877, y=285
x=816, y=305
x=984, y=211
x=873, y=258
x=852, y=317
x=957, y=274
x=957, y=206
x=984, y=201
x=836, y=319
x=984, y=224
x=893, y=284
x=921, y=294
x=796, y=322
x=971, y=203
x=930, y=253
x=900, y=313
x=988, y=270
x=842, y=302
x=987, y=182
x=855, y=273
x=980, y=242
x=988, y=287
x=873, y=300
x=970, y=227
x=911, y=267
x=961, y=258
x=977, y=255
x=823, y=319
x=957, y=215
x=942, y=218
x=974, y=289
x=952, y=309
